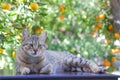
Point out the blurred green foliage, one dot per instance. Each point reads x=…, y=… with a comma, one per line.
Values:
x=77, y=26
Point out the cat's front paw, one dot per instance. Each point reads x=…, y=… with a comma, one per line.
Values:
x=97, y=69
x=102, y=69
x=47, y=69
x=25, y=71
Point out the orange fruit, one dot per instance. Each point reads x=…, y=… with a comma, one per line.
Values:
x=13, y=54
x=1, y=50
x=99, y=25
x=96, y=28
x=106, y=63
x=102, y=16
x=20, y=37
x=97, y=17
x=114, y=59
x=107, y=41
x=61, y=17
x=110, y=28
x=38, y=31
x=115, y=51
x=61, y=8
x=6, y=6
x=34, y=6
x=117, y=35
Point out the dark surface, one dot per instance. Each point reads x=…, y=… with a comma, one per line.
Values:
x=62, y=76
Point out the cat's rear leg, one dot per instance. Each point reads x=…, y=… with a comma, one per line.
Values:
x=74, y=63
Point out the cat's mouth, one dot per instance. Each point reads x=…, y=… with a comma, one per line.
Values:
x=35, y=53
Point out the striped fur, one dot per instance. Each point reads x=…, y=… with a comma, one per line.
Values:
x=32, y=57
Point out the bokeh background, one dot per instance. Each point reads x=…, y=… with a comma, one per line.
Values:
x=83, y=27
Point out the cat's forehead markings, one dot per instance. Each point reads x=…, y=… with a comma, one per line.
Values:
x=34, y=38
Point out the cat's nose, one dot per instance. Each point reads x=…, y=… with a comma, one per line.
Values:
x=35, y=50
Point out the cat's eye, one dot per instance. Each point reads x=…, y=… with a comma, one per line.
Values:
x=31, y=45
x=40, y=46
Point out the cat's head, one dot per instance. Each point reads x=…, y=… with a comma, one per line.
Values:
x=33, y=45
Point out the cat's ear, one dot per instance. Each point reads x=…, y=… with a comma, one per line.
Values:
x=43, y=36
x=25, y=34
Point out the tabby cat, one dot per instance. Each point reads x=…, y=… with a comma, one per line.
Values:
x=32, y=57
